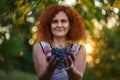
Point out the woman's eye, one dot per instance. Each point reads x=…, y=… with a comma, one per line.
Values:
x=54, y=21
x=57, y=21
x=63, y=21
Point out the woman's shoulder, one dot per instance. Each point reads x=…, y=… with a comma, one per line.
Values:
x=77, y=47
x=40, y=47
x=38, y=44
x=36, y=47
x=43, y=45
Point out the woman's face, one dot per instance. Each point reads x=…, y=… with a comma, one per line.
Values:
x=60, y=25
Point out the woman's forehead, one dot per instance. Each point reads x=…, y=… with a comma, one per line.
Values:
x=61, y=15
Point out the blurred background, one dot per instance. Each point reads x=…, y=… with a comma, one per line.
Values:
x=18, y=26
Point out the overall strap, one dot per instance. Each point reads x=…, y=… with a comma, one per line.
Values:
x=46, y=48
x=76, y=48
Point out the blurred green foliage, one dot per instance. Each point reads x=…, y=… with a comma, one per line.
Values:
x=17, y=75
x=18, y=17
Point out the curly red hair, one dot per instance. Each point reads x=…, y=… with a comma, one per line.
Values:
x=77, y=29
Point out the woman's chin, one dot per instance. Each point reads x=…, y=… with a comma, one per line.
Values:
x=60, y=35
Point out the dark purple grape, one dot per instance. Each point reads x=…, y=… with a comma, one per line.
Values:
x=70, y=52
x=61, y=53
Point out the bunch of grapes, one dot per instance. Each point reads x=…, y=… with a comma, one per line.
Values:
x=61, y=53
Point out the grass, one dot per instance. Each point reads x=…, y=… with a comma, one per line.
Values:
x=17, y=75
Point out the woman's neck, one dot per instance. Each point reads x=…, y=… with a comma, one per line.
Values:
x=59, y=42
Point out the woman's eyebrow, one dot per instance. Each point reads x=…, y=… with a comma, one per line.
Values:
x=55, y=20
x=58, y=20
x=63, y=20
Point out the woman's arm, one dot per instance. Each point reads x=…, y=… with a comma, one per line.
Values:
x=77, y=70
x=44, y=70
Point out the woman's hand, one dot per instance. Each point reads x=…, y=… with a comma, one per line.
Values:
x=69, y=60
x=53, y=63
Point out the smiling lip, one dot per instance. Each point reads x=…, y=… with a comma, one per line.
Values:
x=59, y=30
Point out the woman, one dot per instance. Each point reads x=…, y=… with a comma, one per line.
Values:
x=60, y=25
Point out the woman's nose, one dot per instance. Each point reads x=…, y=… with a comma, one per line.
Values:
x=59, y=24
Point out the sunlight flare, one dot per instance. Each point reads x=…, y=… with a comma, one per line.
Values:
x=89, y=48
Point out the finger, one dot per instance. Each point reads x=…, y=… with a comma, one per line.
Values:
x=66, y=61
x=56, y=61
x=73, y=57
x=52, y=59
x=69, y=60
